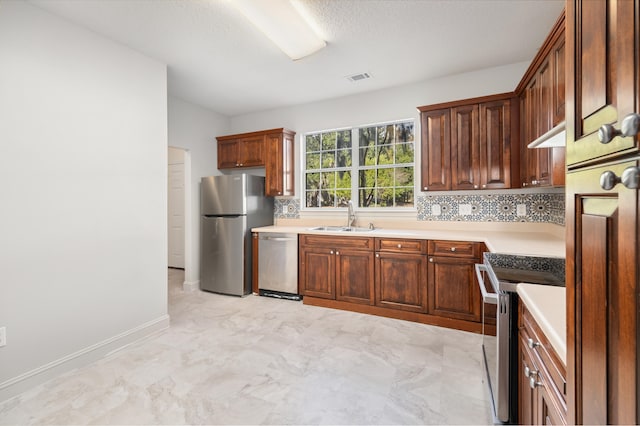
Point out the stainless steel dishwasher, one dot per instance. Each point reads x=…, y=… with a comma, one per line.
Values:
x=278, y=265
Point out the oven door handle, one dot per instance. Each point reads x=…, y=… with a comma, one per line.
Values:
x=487, y=297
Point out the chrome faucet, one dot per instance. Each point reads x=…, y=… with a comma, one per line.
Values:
x=351, y=216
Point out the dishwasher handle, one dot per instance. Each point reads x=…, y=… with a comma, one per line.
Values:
x=269, y=238
x=487, y=297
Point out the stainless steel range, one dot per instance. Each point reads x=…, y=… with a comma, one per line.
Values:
x=498, y=277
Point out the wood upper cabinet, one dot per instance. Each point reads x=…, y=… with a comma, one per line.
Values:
x=337, y=268
x=542, y=106
x=436, y=150
x=467, y=144
x=602, y=49
x=453, y=289
x=602, y=226
x=273, y=149
x=280, y=163
x=248, y=151
x=401, y=274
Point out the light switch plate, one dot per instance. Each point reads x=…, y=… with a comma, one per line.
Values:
x=521, y=209
x=465, y=209
x=436, y=210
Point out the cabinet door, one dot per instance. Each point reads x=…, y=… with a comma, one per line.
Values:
x=547, y=412
x=453, y=290
x=317, y=272
x=526, y=395
x=558, y=59
x=436, y=154
x=602, y=294
x=228, y=154
x=251, y=151
x=279, y=165
x=465, y=152
x=354, y=276
x=401, y=281
x=602, y=53
x=530, y=165
x=495, y=145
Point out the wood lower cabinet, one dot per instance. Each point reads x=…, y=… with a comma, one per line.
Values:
x=541, y=376
x=401, y=274
x=453, y=287
x=337, y=268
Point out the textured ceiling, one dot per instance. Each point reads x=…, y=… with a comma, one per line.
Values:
x=219, y=60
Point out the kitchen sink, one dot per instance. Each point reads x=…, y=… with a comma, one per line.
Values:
x=340, y=229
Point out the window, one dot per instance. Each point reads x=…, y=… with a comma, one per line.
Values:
x=380, y=157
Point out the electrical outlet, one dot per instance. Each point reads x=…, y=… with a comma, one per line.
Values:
x=521, y=209
x=436, y=210
x=285, y=208
x=465, y=209
x=3, y=336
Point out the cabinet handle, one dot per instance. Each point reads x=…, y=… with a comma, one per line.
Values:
x=529, y=372
x=532, y=344
x=533, y=383
x=399, y=245
x=524, y=184
x=431, y=259
x=630, y=178
x=630, y=127
x=534, y=182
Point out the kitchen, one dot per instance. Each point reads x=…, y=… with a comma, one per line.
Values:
x=139, y=239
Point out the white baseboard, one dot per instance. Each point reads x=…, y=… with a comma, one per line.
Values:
x=191, y=285
x=25, y=381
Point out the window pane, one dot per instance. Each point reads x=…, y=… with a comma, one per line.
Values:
x=313, y=161
x=312, y=198
x=328, y=180
x=366, y=197
x=385, y=177
x=328, y=159
x=327, y=198
x=344, y=139
x=344, y=158
x=367, y=178
x=368, y=156
x=313, y=181
x=385, y=134
x=404, y=132
x=404, y=197
x=404, y=153
x=329, y=141
x=342, y=197
x=385, y=154
x=313, y=142
x=384, y=197
x=403, y=176
x=344, y=180
x=367, y=136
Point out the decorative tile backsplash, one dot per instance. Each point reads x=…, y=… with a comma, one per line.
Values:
x=530, y=207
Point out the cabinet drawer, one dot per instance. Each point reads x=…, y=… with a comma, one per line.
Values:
x=334, y=242
x=554, y=367
x=397, y=245
x=454, y=248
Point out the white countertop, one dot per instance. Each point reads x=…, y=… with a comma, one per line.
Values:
x=517, y=243
x=547, y=305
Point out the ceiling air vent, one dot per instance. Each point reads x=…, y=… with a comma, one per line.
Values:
x=358, y=77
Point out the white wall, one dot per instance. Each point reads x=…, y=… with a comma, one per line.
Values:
x=83, y=223
x=195, y=129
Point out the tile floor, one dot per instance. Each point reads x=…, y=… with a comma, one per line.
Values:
x=257, y=360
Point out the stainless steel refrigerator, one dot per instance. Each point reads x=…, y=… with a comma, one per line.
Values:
x=230, y=205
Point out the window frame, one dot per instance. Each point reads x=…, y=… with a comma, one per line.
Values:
x=355, y=169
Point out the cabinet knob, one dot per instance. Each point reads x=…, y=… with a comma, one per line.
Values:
x=279, y=192
x=529, y=372
x=377, y=254
x=453, y=249
x=337, y=253
x=533, y=383
x=524, y=184
x=399, y=245
x=475, y=186
x=426, y=188
x=431, y=259
x=630, y=178
x=630, y=127
x=331, y=252
x=532, y=343
x=534, y=182
x=484, y=186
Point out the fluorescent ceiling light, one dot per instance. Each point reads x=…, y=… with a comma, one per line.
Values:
x=283, y=22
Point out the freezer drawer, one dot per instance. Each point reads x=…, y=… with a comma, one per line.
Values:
x=278, y=262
